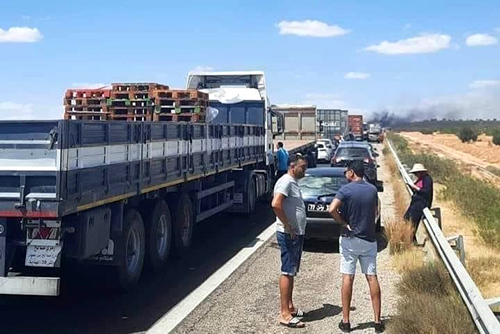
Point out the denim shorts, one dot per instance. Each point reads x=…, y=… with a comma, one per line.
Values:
x=354, y=249
x=291, y=253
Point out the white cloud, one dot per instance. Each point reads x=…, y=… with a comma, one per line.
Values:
x=425, y=43
x=20, y=35
x=15, y=111
x=88, y=85
x=202, y=69
x=310, y=28
x=357, y=75
x=481, y=40
x=479, y=84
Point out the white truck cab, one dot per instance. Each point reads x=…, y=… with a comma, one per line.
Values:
x=239, y=97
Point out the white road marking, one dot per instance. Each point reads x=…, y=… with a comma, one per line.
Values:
x=180, y=311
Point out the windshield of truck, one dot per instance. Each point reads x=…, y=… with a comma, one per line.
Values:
x=239, y=113
x=353, y=152
x=317, y=185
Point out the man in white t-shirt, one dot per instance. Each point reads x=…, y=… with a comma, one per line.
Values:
x=290, y=211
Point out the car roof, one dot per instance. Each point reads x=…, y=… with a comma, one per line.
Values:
x=354, y=144
x=326, y=171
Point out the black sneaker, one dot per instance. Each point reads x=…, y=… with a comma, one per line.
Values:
x=379, y=327
x=345, y=326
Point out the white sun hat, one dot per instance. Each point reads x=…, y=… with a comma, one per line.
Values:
x=418, y=168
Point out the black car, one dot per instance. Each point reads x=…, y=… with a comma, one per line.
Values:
x=349, y=151
x=318, y=188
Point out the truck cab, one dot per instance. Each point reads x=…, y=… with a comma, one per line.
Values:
x=239, y=97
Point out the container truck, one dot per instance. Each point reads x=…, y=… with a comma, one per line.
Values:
x=355, y=126
x=331, y=123
x=123, y=194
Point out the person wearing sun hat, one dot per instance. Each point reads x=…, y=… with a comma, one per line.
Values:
x=423, y=194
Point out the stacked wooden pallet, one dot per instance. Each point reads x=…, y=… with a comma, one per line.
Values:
x=86, y=104
x=136, y=102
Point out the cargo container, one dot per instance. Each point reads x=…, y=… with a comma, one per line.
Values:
x=331, y=123
x=300, y=121
x=355, y=125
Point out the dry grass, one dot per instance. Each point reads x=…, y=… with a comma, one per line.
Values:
x=411, y=259
x=430, y=304
x=485, y=272
x=399, y=235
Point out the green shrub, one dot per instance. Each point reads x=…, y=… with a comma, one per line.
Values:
x=496, y=137
x=467, y=135
x=426, y=131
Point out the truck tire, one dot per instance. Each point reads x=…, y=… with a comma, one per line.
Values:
x=132, y=254
x=252, y=195
x=183, y=219
x=159, y=236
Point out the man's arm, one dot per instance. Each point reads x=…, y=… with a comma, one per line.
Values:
x=333, y=209
x=277, y=206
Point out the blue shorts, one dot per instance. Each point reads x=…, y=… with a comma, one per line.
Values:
x=291, y=253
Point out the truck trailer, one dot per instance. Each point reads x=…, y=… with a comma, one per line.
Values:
x=127, y=193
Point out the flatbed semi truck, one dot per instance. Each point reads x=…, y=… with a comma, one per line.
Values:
x=127, y=194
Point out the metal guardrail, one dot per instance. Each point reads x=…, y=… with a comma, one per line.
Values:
x=483, y=316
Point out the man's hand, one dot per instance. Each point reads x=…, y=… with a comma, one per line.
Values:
x=277, y=205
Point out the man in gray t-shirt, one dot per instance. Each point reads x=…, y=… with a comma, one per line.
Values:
x=291, y=226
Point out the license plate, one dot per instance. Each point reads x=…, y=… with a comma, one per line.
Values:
x=238, y=198
x=317, y=207
x=43, y=256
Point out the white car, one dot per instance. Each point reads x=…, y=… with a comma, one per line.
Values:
x=325, y=151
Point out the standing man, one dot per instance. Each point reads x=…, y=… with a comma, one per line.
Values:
x=290, y=229
x=283, y=159
x=423, y=193
x=359, y=203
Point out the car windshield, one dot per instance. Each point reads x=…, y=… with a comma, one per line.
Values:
x=317, y=185
x=321, y=146
x=353, y=152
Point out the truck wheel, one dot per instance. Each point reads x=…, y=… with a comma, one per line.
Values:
x=183, y=219
x=130, y=268
x=159, y=235
x=252, y=196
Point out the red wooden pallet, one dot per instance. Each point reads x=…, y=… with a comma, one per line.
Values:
x=84, y=92
x=180, y=94
x=137, y=86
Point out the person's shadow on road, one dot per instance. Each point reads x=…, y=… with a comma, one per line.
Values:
x=328, y=310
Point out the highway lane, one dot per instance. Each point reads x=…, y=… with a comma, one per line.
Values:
x=89, y=306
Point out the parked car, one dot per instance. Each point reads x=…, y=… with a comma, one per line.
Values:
x=318, y=188
x=325, y=151
x=349, y=151
x=327, y=141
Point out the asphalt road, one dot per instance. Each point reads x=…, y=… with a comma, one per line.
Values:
x=88, y=306
x=247, y=302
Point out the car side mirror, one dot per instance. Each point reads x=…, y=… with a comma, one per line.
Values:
x=380, y=186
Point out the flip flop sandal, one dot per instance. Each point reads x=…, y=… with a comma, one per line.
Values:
x=299, y=313
x=294, y=323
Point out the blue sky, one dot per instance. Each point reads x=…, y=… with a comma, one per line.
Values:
x=439, y=58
